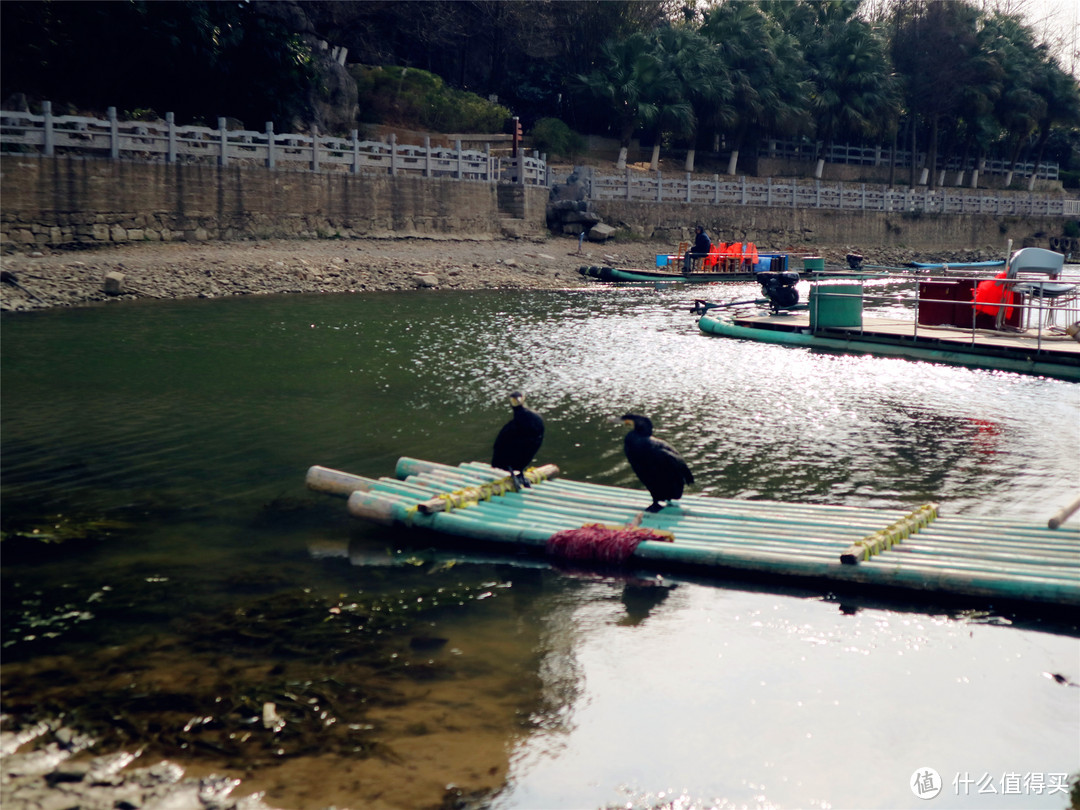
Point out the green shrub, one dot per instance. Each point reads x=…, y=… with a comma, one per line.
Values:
x=554, y=137
x=1069, y=179
x=140, y=114
x=1071, y=229
x=416, y=98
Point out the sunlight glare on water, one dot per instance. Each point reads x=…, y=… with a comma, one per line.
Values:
x=727, y=699
x=774, y=421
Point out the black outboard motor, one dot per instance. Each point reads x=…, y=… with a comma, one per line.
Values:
x=779, y=288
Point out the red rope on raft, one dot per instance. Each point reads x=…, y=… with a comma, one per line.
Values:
x=595, y=543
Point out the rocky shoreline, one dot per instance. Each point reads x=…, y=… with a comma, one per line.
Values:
x=175, y=270
x=40, y=770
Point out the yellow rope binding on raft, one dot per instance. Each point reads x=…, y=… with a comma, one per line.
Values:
x=892, y=534
x=471, y=496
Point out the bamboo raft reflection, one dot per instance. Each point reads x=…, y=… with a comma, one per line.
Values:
x=920, y=551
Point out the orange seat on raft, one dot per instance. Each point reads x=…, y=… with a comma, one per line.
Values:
x=751, y=253
x=712, y=258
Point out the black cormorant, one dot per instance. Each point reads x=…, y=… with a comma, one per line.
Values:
x=659, y=466
x=518, y=441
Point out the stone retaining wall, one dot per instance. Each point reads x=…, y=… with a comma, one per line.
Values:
x=782, y=228
x=70, y=201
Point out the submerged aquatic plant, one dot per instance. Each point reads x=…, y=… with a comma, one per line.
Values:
x=41, y=540
x=276, y=676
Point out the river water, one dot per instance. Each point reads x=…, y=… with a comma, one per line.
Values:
x=190, y=579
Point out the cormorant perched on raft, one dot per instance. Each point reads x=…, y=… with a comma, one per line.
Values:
x=518, y=441
x=659, y=466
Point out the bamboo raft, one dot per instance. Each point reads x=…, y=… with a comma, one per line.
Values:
x=881, y=549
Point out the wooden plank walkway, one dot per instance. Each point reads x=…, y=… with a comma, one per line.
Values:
x=949, y=556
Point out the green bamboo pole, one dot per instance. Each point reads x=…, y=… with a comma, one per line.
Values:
x=404, y=488
x=983, y=583
x=748, y=511
x=1057, y=557
x=1033, y=571
x=946, y=539
x=706, y=538
x=604, y=493
x=710, y=537
x=683, y=530
x=335, y=482
x=732, y=511
x=978, y=584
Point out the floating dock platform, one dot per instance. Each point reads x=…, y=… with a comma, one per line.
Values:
x=925, y=550
x=1028, y=352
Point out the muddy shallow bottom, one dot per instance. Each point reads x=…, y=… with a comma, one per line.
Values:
x=520, y=687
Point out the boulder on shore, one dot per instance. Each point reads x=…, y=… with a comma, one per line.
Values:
x=600, y=232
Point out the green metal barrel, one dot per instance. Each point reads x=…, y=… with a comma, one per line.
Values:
x=834, y=305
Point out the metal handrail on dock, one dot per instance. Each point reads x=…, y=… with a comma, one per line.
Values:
x=1043, y=310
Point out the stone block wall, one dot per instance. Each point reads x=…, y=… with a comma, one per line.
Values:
x=72, y=201
x=785, y=228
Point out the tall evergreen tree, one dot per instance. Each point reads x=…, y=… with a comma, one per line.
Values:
x=853, y=93
x=630, y=83
x=764, y=67
x=694, y=63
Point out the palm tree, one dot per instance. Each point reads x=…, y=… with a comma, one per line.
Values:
x=1061, y=94
x=1020, y=107
x=935, y=49
x=854, y=92
x=763, y=66
x=693, y=62
x=673, y=112
x=628, y=81
x=976, y=125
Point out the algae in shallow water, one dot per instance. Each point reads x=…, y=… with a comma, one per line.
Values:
x=272, y=677
x=42, y=540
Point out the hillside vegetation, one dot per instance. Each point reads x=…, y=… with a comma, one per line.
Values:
x=945, y=78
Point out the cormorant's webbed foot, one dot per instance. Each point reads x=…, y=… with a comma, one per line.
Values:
x=655, y=507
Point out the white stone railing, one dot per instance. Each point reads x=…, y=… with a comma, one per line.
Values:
x=46, y=134
x=882, y=156
x=688, y=188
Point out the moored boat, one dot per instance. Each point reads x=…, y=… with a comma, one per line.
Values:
x=725, y=262
x=633, y=275
x=946, y=266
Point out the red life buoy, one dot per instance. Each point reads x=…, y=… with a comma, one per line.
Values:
x=991, y=294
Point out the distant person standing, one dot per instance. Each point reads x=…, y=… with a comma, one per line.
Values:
x=699, y=250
